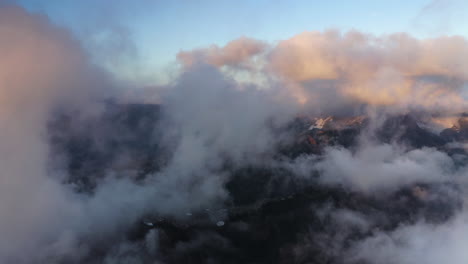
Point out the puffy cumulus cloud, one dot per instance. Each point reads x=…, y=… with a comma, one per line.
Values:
x=391, y=70
x=354, y=55
x=304, y=56
x=215, y=109
x=418, y=243
x=236, y=53
x=41, y=68
x=210, y=117
x=212, y=120
x=395, y=69
x=35, y=55
x=377, y=170
x=374, y=168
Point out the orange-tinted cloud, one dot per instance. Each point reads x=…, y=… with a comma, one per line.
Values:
x=395, y=69
x=234, y=53
x=41, y=67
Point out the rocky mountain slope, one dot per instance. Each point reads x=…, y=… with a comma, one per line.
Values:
x=271, y=215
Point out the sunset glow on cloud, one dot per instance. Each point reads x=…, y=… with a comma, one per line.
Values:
x=233, y=132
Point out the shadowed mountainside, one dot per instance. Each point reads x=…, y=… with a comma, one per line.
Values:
x=270, y=216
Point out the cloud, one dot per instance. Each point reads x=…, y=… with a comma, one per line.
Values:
x=235, y=53
x=391, y=70
x=31, y=203
x=421, y=242
x=377, y=168
x=43, y=68
x=212, y=124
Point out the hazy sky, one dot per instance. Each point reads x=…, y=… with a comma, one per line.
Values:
x=157, y=30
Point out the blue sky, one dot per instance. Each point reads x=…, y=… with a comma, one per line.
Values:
x=157, y=30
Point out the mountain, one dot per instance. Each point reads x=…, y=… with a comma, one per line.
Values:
x=92, y=146
x=270, y=216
